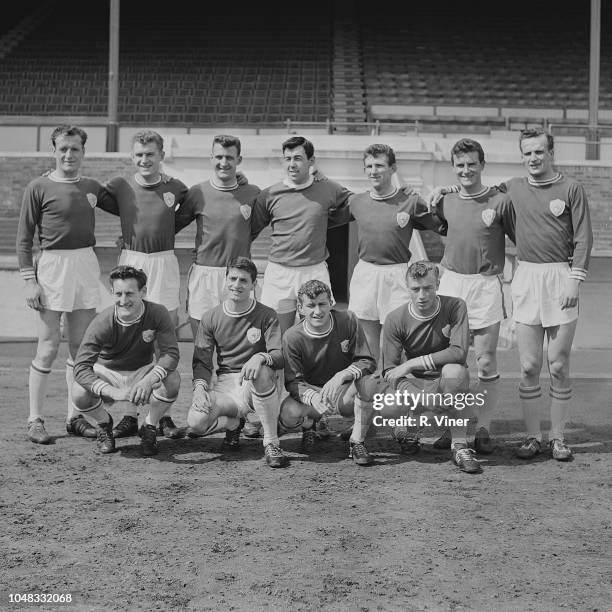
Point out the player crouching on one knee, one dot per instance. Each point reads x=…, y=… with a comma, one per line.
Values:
x=116, y=360
x=246, y=335
x=327, y=368
x=433, y=332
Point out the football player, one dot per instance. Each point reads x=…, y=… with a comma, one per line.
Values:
x=65, y=279
x=116, y=360
x=245, y=335
x=327, y=368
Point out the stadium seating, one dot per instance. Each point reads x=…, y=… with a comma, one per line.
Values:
x=174, y=69
x=339, y=62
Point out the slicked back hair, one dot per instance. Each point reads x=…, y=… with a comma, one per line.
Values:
x=299, y=141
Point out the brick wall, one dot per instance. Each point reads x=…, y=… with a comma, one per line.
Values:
x=597, y=181
x=16, y=172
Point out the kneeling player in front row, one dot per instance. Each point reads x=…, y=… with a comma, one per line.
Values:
x=433, y=331
x=246, y=336
x=116, y=360
x=327, y=368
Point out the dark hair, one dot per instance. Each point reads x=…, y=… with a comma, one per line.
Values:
x=311, y=289
x=127, y=272
x=68, y=130
x=243, y=263
x=535, y=133
x=420, y=269
x=227, y=141
x=146, y=136
x=467, y=145
x=299, y=141
x=378, y=150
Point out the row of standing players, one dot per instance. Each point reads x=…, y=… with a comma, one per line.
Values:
x=326, y=364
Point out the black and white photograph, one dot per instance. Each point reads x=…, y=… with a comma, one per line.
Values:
x=305, y=307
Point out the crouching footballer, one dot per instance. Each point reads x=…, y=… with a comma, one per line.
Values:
x=246, y=337
x=116, y=361
x=432, y=331
x=328, y=364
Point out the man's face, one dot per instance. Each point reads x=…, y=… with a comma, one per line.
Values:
x=69, y=153
x=379, y=172
x=238, y=284
x=468, y=168
x=537, y=158
x=128, y=298
x=316, y=310
x=225, y=162
x=147, y=159
x=423, y=293
x=297, y=165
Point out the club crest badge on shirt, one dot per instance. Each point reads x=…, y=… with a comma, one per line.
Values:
x=169, y=199
x=245, y=211
x=344, y=346
x=91, y=198
x=148, y=335
x=402, y=219
x=557, y=207
x=253, y=335
x=488, y=216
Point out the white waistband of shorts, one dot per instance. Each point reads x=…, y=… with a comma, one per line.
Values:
x=398, y=266
x=214, y=268
x=543, y=266
x=69, y=252
x=141, y=254
x=492, y=277
x=301, y=268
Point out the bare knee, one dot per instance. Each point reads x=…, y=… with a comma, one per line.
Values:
x=530, y=366
x=366, y=387
x=172, y=384
x=264, y=379
x=82, y=398
x=559, y=368
x=455, y=378
x=46, y=352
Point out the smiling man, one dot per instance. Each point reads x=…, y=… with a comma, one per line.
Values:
x=246, y=338
x=554, y=238
x=60, y=206
x=116, y=360
x=299, y=209
x=327, y=368
x=147, y=205
x=386, y=218
x=477, y=220
x=222, y=208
